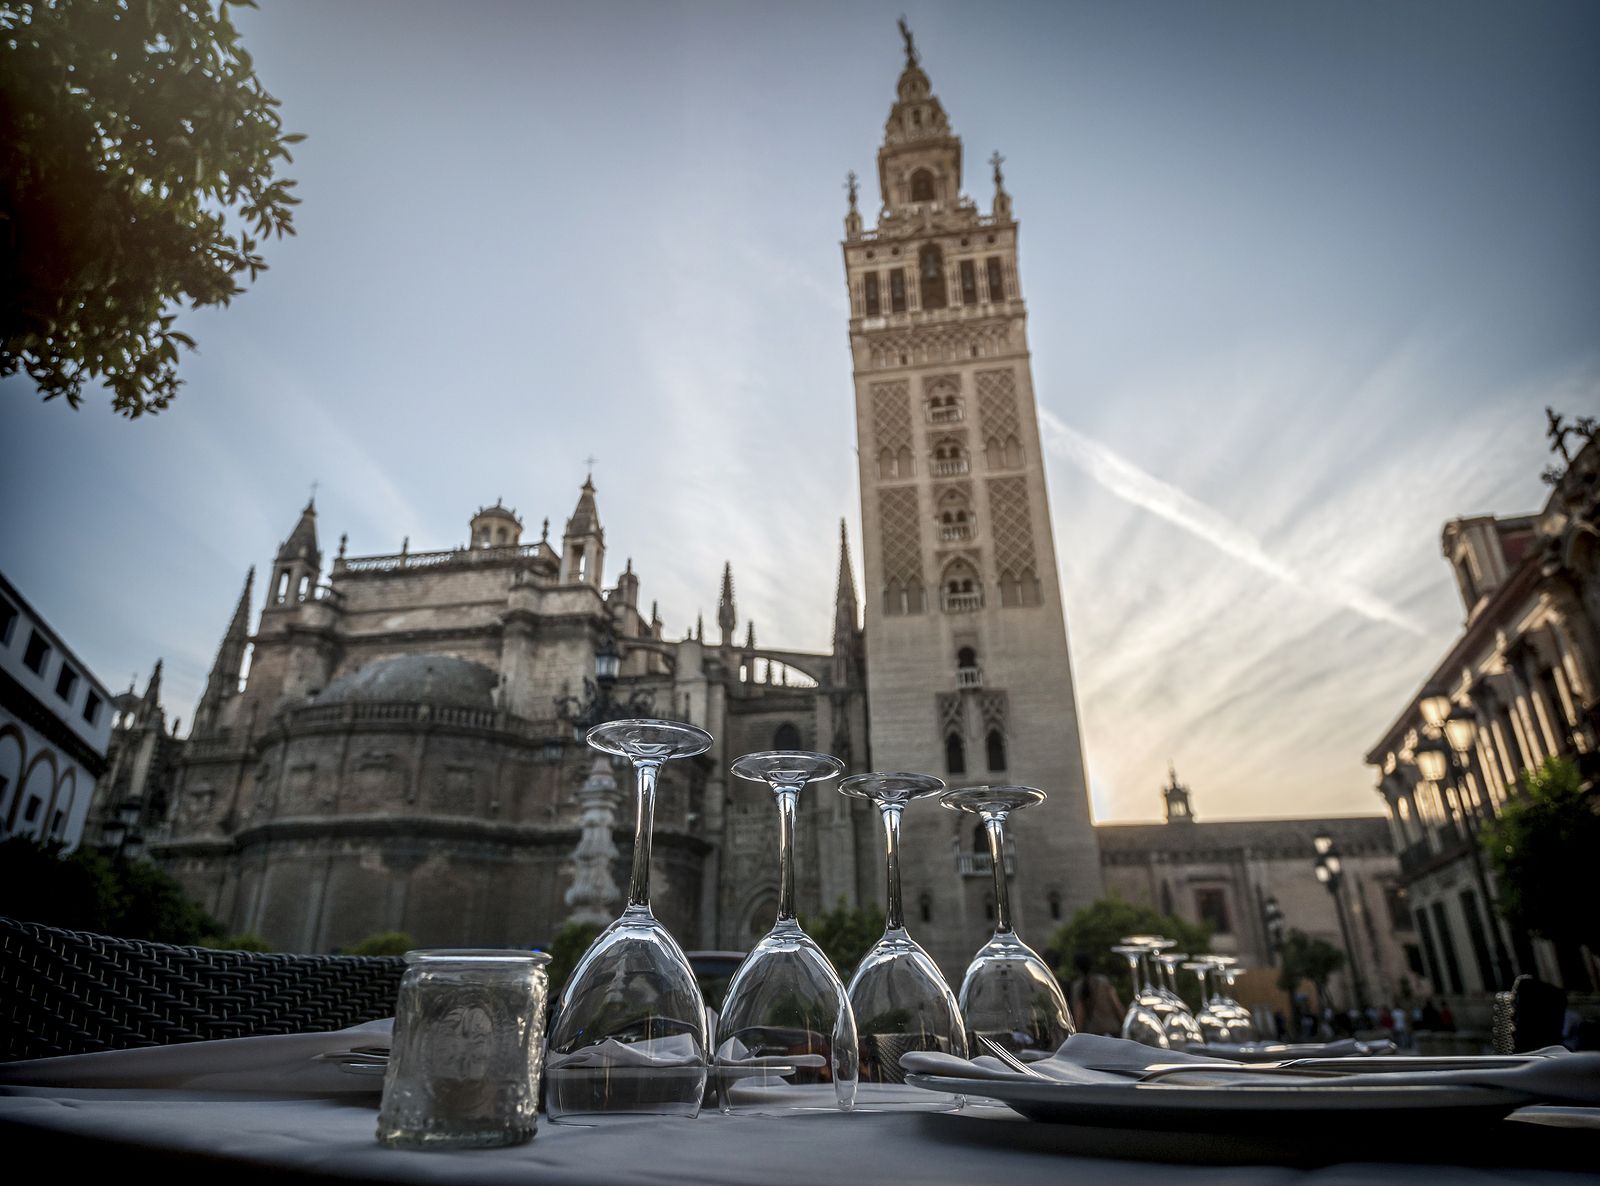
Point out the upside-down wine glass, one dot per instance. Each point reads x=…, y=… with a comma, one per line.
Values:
x=1140, y=1023
x=901, y=1000
x=1182, y=1028
x=1008, y=996
x=1242, y=1024
x=1213, y=1025
x=630, y=1030
x=786, y=1040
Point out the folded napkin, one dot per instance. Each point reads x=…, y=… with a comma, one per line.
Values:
x=1556, y=1076
x=292, y=1064
x=680, y=1050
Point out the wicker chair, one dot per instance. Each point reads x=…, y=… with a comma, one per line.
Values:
x=71, y=992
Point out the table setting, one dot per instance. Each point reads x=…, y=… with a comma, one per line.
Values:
x=802, y=1075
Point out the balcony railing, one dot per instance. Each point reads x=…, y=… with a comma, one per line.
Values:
x=949, y=414
x=954, y=532
x=951, y=467
x=969, y=677
x=962, y=603
x=981, y=864
x=413, y=560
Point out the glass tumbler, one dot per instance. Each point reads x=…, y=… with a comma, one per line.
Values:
x=465, y=1058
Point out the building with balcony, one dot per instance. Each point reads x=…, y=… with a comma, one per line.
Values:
x=1520, y=684
x=55, y=725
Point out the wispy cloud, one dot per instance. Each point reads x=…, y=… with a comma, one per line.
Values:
x=1127, y=481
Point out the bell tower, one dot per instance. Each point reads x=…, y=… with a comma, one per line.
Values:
x=968, y=672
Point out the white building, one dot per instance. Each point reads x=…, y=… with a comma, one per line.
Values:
x=55, y=724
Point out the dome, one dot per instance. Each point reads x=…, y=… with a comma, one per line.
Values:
x=422, y=679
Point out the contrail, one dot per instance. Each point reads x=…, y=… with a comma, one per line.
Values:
x=1132, y=484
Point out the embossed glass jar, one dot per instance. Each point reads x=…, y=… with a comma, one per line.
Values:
x=465, y=1060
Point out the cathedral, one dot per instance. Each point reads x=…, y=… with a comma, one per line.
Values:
x=396, y=744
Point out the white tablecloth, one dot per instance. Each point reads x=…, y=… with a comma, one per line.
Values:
x=262, y=1138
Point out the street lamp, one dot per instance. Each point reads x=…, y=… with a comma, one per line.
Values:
x=598, y=702
x=1438, y=755
x=121, y=834
x=1330, y=871
x=1275, y=925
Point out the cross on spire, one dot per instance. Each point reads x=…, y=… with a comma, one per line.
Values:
x=997, y=160
x=589, y=462
x=850, y=184
x=911, y=46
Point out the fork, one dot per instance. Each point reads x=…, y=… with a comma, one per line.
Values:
x=1011, y=1060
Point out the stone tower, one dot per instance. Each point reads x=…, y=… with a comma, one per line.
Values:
x=968, y=674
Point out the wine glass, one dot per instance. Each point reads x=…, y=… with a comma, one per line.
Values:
x=630, y=1030
x=1008, y=996
x=901, y=1000
x=1182, y=1028
x=1241, y=1024
x=1141, y=1023
x=1213, y=1025
x=786, y=1040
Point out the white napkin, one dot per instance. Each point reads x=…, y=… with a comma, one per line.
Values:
x=1557, y=1078
x=290, y=1064
x=680, y=1050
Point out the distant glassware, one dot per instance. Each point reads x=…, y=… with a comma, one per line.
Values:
x=786, y=1039
x=1009, y=995
x=464, y=1063
x=630, y=1032
x=1241, y=1023
x=1141, y=1023
x=901, y=1000
x=1213, y=1025
x=1182, y=1028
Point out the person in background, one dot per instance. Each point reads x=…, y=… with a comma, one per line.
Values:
x=1093, y=998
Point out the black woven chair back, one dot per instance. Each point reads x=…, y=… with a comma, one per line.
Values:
x=72, y=992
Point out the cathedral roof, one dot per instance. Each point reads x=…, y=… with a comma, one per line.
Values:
x=422, y=679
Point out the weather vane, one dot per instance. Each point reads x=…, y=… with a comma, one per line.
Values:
x=850, y=184
x=997, y=160
x=911, y=48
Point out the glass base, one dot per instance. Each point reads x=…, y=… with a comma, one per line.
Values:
x=592, y=1096
x=902, y=1097
x=487, y=1138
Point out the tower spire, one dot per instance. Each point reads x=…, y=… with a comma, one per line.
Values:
x=844, y=598
x=223, y=682
x=727, y=614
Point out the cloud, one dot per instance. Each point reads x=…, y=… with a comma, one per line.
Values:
x=1127, y=481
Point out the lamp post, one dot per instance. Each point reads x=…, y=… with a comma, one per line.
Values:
x=121, y=837
x=598, y=702
x=1330, y=871
x=1273, y=913
x=1447, y=735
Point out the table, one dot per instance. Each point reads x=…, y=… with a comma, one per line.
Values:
x=240, y=1140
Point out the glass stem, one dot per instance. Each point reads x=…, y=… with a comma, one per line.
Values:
x=994, y=828
x=644, y=820
x=787, y=798
x=896, y=917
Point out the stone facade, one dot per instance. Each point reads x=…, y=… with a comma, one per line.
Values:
x=1524, y=678
x=1224, y=872
x=970, y=675
x=403, y=755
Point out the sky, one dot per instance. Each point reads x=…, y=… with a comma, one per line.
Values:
x=1300, y=280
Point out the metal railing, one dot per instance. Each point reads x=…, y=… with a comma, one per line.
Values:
x=952, y=532
x=969, y=677
x=962, y=603
x=950, y=414
x=981, y=864
x=951, y=467
x=412, y=560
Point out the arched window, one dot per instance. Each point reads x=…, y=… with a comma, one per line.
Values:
x=966, y=657
x=960, y=588
x=949, y=458
x=787, y=737
x=925, y=907
x=955, y=755
x=930, y=274
x=994, y=747
x=886, y=463
x=988, y=907
x=1055, y=905
x=283, y=585
x=980, y=838
x=921, y=183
